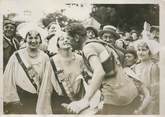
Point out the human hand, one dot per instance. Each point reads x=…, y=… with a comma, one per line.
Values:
x=43, y=46
x=76, y=106
x=138, y=112
x=50, y=36
x=147, y=26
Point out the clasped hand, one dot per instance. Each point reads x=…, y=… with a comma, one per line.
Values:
x=76, y=106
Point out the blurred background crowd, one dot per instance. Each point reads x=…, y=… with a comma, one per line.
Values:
x=132, y=29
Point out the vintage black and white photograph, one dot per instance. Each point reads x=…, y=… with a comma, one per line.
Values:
x=80, y=58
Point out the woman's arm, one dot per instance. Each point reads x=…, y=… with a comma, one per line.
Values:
x=154, y=79
x=9, y=86
x=147, y=99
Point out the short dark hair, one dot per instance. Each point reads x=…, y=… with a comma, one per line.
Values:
x=131, y=51
x=28, y=33
x=94, y=30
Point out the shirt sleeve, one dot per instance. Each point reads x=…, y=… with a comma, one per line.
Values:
x=10, y=92
x=89, y=51
x=44, y=98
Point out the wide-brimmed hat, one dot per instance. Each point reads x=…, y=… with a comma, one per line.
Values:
x=24, y=28
x=93, y=29
x=152, y=45
x=109, y=29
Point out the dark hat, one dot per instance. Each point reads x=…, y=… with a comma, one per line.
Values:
x=109, y=29
x=131, y=51
x=8, y=21
x=93, y=29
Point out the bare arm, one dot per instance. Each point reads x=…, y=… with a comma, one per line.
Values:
x=98, y=75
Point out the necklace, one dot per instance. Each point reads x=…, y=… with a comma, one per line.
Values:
x=32, y=54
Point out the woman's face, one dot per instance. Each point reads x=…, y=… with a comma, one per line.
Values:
x=33, y=39
x=143, y=52
x=65, y=42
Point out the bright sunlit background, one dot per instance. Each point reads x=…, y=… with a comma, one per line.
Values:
x=33, y=10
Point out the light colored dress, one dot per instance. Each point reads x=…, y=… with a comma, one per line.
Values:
x=66, y=72
x=14, y=75
x=148, y=73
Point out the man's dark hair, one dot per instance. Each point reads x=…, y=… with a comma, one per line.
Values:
x=76, y=28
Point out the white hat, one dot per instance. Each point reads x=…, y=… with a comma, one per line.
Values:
x=24, y=28
x=152, y=45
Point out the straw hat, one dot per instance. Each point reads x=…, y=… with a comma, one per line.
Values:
x=109, y=29
x=24, y=28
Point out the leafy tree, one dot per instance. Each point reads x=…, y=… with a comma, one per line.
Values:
x=52, y=17
x=126, y=16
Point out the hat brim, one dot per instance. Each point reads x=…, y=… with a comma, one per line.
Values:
x=117, y=36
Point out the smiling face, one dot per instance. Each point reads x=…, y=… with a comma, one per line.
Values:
x=64, y=41
x=143, y=52
x=9, y=30
x=33, y=39
x=108, y=37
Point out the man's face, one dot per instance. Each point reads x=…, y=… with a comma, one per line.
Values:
x=9, y=30
x=108, y=37
x=134, y=36
x=127, y=35
x=90, y=34
x=129, y=59
x=77, y=42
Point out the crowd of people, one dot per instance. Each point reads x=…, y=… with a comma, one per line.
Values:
x=80, y=70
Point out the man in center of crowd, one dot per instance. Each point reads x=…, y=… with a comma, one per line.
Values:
x=118, y=91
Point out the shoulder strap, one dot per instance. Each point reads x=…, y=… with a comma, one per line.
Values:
x=56, y=76
x=25, y=69
x=16, y=43
x=86, y=63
